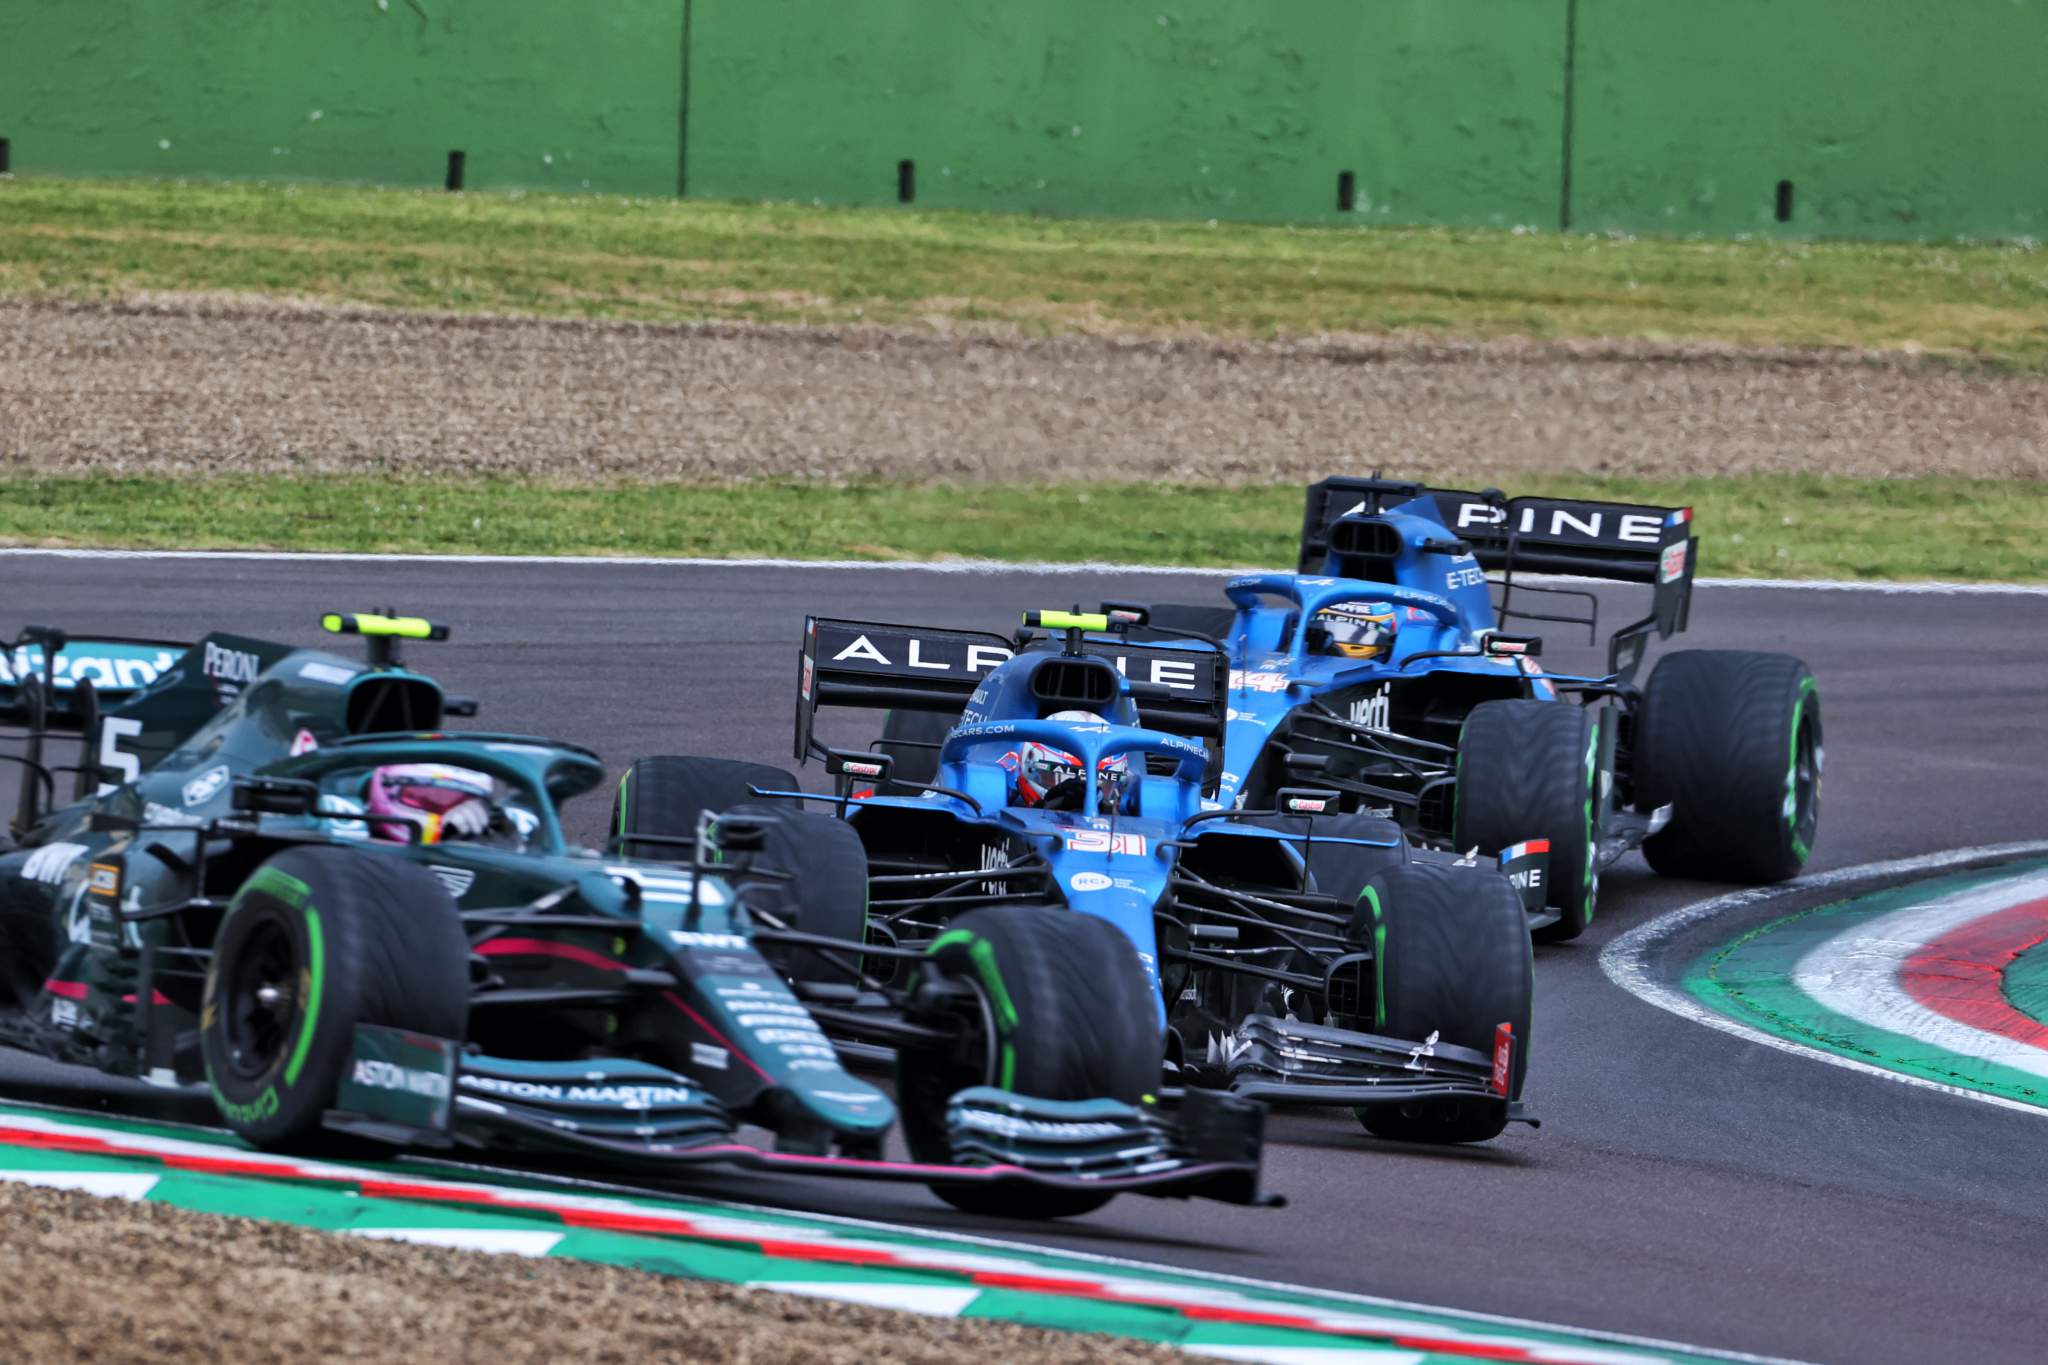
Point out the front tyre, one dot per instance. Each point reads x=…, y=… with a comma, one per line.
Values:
x=1530, y=770
x=317, y=941
x=1451, y=957
x=1731, y=740
x=1061, y=1009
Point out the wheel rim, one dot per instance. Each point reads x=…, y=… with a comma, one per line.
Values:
x=262, y=1000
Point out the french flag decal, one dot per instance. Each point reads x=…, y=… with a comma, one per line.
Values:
x=1509, y=854
x=1679, y=518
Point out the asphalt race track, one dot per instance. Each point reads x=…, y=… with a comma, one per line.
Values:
x=1685, y=1184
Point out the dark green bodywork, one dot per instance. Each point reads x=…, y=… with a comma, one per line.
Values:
x=108, y=910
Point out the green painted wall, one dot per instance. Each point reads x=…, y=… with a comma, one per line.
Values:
x=1899, y=118
x=1445, y=110
x=537, y=93
x=1891, y=118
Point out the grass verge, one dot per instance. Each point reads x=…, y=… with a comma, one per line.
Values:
x=668, y=260
x=1792, y=526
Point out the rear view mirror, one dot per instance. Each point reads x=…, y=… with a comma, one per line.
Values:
x=1308, y=801
x=859, y=764
x=1125, y=615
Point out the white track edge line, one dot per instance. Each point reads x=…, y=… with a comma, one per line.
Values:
x=483, y=1173
x=1625, y=959
x=952, y=566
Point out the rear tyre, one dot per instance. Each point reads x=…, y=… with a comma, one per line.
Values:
x=318, y=940
x=1452, y=958
x=912, y=739
x=1062, y=1010
x=1732, y=741
x=827, y=893
x=1530, y=770
x=664, y=796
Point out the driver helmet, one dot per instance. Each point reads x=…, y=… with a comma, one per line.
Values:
x=1357, y=630
x=1041, y=768
x=445, y=802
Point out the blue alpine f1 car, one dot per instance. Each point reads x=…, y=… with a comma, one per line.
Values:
x=1053, y=861
x=1382, y=665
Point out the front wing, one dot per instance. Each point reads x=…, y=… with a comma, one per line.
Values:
x=1286, y=1061
x=643, y=1119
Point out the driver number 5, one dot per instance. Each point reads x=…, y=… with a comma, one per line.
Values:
x=114, y=760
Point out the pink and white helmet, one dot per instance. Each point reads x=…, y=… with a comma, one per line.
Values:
x=440, y=799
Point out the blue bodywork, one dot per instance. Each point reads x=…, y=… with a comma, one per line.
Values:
x=1442, y=606
x=1389, y=733
x=1115, y=865
x=1253, y=922
x=1406, y=554
x=1272, y=670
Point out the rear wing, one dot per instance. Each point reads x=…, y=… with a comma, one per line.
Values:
x=62, y=676
x=1624, y=542
x=125, y=702
x=926, y=668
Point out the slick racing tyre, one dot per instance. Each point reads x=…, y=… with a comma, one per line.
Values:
x=1452, y=958
x=1529, y=770
x=911, y=738
x=1342, y=870
x=318, y=940
x=827, y=892
x=1731, y=740
x=664, y=795
x=1061, y=1010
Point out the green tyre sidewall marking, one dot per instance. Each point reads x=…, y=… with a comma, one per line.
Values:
x=1800, y=850
x=1371, y=900
x=275, y=881
x=309, y=1018
x=982, y=954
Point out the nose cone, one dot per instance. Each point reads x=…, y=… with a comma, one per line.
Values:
x=845, y=1103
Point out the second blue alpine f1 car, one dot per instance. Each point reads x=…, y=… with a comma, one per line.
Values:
x=1383, y=661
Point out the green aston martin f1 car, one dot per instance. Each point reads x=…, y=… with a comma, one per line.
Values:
x=278, y=876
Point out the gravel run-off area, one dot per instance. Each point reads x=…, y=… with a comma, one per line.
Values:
x=174, y=385
x=104, y=1280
